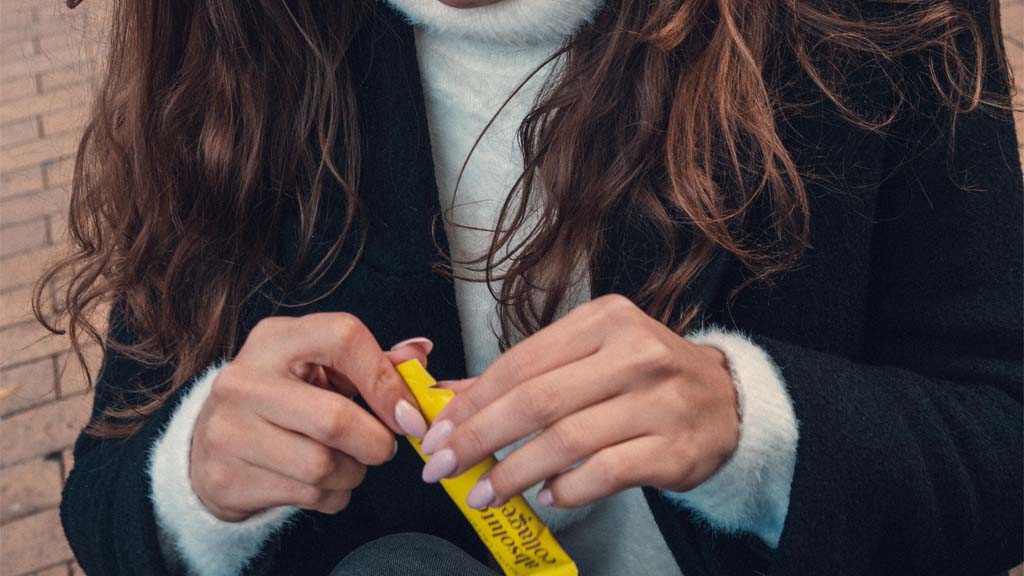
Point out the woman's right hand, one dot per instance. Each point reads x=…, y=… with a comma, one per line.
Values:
x=280, y=426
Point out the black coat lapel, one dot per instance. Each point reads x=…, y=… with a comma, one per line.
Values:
x=394, y=288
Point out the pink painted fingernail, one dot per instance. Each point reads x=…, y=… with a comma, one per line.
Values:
x=481, y=495
x=410, y=419
x=440, y=465
x=437, y=434
x=427, y=343
x=545, y=498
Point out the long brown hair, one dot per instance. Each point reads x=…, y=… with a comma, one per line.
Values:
x=214, y=118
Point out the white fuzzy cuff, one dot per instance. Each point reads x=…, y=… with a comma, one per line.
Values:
x=206, y=545
x=750, y=493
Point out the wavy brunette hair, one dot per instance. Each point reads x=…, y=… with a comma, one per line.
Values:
x=214, y=118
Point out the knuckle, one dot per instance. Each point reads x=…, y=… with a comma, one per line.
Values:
x=346, y=328
x=227, y=383
x=318, y=466
x=381, y=375
x=335, y=424
x=219, y=477
x=610, y=471
x=354, y=477
x=566, y=498
x=617, y=306
x=381, y=450
x=648, y=354
x=657, y=356
x=267, y=327
x=516, y=364
x=467, y=441
x=335, y=502
x=567, y=437
x=307, y=496
x=215, y=436
x=542, y=403
x=344, y=500
x=504, y=481
x=460, y=408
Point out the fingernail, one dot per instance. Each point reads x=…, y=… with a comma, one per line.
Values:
x=437, y=434
x=395, y=451
x=440, y=466
x=481, y=495
x=425, y=342
x=409, y=419
x=545, y=498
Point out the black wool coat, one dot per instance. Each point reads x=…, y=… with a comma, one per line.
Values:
x=899, y=336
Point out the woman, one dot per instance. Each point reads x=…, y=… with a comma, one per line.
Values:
x=730, y=287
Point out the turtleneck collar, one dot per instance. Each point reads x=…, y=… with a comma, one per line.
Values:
x=511, y=22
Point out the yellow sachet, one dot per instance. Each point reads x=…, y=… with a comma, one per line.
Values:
x=514, y=534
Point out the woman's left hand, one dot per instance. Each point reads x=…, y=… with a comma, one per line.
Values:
x=606, y=385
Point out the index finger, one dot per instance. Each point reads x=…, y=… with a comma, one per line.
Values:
x=325, y=416
x=342, y=343
x=574, y=337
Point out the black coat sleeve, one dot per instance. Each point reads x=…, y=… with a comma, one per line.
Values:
x=910, y=458
x=105, y=508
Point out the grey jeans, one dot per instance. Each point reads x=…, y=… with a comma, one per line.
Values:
x=410, y=555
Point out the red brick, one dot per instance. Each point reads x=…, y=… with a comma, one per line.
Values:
x=39, y=29
x=55, y=570
x=58, y=228
x=1013, y=20
x=21, y=48
x=32, y=204
x=18, y=87
x=58, y=172
x=67, y=120
x=27, y=385
x=39, y=150
x=33, y=543
x=14, y=19
x=21, y=180
x=29, y=341
x=67, y=457
x=16, y=306
x=72, y=378
x=88, y=14
x=43, y=103
x=77, y=74
x=19, y=132
x=29, y=488
x=73, y=43
x=47, y=429
x=23, y=237
x=43, y=61
x=24, y=269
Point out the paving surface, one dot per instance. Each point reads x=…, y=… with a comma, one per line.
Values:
x=48, y=60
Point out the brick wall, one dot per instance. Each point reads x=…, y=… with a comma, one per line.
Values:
x=48, y=58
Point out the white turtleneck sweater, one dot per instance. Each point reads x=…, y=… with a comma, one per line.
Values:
x=471, y=60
